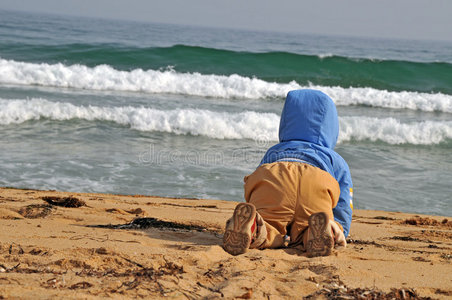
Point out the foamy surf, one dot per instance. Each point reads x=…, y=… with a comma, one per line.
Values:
x=387, y=99
x=106, y=78
x=222, y=125
x=392, y=131
x=219, y=125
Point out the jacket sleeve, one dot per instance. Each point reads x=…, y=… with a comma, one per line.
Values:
x=344, y=208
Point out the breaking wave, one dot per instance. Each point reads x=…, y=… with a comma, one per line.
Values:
x=104, y=77
x=221, y=125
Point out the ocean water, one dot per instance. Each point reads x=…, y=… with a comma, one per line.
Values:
x=120, y=107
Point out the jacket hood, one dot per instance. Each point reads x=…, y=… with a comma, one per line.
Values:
x=310, y=116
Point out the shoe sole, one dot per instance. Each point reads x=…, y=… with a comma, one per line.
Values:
x=237, y=240
x=322, y=242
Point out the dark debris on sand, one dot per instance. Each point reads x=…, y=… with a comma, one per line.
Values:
x=169, y=268
x=131, y=278
x=145, y=277
x=363, y=242
x=337, y=291
x=64, y=201
x=427, y=221
x=408, y=239
x=144, y=223
x=35, y=211
x=383, y=218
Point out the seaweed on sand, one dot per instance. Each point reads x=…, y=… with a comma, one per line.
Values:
x=144, y=223
x=64, y=201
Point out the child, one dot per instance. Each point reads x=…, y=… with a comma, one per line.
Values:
x=302, y=191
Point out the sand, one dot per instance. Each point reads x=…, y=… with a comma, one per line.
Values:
x=91, y=250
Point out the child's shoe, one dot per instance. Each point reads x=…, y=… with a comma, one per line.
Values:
x=319, y=240
x=244, y=230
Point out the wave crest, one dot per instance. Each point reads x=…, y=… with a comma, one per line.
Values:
x=104, y=77
x=253, y=125
x=219, y=125
x=392, y=131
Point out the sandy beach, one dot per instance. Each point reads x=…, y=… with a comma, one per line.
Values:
x=91, y=246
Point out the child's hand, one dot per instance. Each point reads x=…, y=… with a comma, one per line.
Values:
x=339, y=238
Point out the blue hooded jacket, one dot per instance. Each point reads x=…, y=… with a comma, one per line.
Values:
x=308, y=131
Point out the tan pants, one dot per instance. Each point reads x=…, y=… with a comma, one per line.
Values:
x=286, y=194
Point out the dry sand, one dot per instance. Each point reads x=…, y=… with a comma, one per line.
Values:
x=83, y=252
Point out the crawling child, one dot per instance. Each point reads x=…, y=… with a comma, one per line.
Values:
x=301, y=193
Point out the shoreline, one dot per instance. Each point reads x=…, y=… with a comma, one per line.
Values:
x=92, y=250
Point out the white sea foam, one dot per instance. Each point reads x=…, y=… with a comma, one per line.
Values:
x=325, y=55
x=105, y=77
x=382, y=98
x=219, y=125
x=392, y=131
x=222, y=125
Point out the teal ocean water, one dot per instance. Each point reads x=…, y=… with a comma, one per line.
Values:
x=141, y=108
